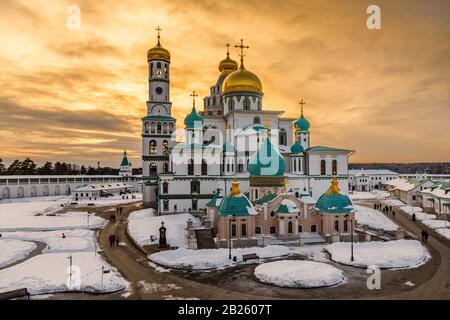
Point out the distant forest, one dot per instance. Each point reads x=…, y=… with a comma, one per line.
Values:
x=29, y=167
x=407, y=168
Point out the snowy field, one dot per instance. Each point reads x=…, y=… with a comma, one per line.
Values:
x=143, y=223
x=212, y=258
x=299, y=274
x=373, y=218
x=41, y=216
x=444, y=232
x=49, y=273
x=364, y=195
x=14, y=250
x=436, y=224
x=418, y=212
x=386, y=255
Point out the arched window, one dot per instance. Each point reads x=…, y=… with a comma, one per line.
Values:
x=323, y=167
x=165, y=187
x=233, y=231
x=204, y=168
x=190, y=167
x=259, y=104
x=272, y=230
x=153, y=127
x=214, y=101
x=146, y=126
x=346, y=226
x=152, y=147
x=256, y=120
x=165, y=146
x=334, y=167
x=153, y=169
x=231, y=104
x=313, y=228
x=246, y=103
x=166, y=71
x=158, y=69
x=165, y=127
x=243, y=230
x=170, y=127
x=283, y=137
x=290, y=227
x=256, y=194
x=295, y=165
x=158, y=127
x=336, y=226
x=195, y=186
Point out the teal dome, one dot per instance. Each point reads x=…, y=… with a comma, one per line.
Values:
x=236, y=204
x=193, y=120
x=302, y=124
x=266, y=161
x=296, y=148
x=333, y=201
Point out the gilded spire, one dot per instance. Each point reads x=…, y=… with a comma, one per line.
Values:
x=334, y=188
x=242, y=47
x=235, y=187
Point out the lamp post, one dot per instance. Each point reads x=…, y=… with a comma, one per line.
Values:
x=347, y=218
x=230, y=219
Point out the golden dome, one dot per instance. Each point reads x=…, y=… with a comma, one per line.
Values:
x=227, y=65
x=158, y=53
x=241, y=80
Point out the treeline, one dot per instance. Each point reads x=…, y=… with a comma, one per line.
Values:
x=29, y=167
x=407, y=168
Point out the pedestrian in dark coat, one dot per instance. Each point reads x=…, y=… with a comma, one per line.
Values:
x=426, y=235
x=413, y=217
x=393, y=214
x=113, y=239
x=110, y=240
x=117, y=241
x=423, y=235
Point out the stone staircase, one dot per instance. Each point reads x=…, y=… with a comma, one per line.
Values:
x=205, y=238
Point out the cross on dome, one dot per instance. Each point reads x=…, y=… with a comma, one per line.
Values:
x=301, y=103
x=193, y=95
x=158, y=29
x=242, y=47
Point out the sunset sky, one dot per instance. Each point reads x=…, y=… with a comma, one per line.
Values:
x=78, y=95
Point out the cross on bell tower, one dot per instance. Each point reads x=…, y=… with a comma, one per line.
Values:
x=193, y=95
x=302, y=103
x=242, y=47
x=158, y=29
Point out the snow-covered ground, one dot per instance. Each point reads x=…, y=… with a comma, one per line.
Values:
x=418, y=212
x=386, y=255
x=299, y=274
x=143, y=224
x=110, y=201
x=444, y=232
x=41, y=216
x=436, y=224
x=14, y=250
x=212, y=258
x=364, y=195
x=373, y=218
x=314, y=252
x=75, y=240
x=49, y=273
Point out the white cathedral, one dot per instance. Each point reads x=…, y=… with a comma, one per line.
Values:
x=219, y=142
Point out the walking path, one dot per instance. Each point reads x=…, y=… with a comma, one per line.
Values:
x=37, y=251
x=148, y=283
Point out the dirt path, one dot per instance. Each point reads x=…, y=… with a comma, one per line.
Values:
x=37, y=251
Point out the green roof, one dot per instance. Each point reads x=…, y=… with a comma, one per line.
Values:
x=265, y=199
x=125, y=159
x=333, y=201
x=326, y=149
x=282, y=209
x=193, y=120
x=213, y=202
x=296, y=148
x=159, y=118
x=266, y=161
x=237, y=205
x=302, y=124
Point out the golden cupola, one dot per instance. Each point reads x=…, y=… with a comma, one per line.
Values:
x=227, y=65
x=241, y=79
x=158, y=52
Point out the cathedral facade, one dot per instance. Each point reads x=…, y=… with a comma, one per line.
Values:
x=221, y=140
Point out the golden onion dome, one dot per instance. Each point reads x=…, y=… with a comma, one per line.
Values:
x=241, y=80
x=227, y=65
x=158, y=53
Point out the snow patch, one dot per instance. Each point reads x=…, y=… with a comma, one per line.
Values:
x=14, y=250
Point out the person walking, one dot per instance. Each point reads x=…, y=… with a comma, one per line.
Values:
x=393, y=214
x=110, y=240
x=120, y=210
x=113, y=239
x=426, y=235
x=423, y=235
x=413, y=217
x=117, y=241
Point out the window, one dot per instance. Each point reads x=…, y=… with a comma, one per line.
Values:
x=146, y=127
x=243, y=230
x=231, y=104
x=158, y=127
x=153, y=127
x=204, y=168
x=170, y=127
x=300, y=228
x=259, y=104
x=151, y=70
x=313, y=228
x=165, y=167
x=295, y=165
x=256, y=120
x=166, y=71
x=194, y=204
x=233, y=231
x=190, y=167
x=165, y=127
x=283, y=137
x=256, y=194
x=290, y=227
x=153, y=169
x=336, y=226
x=246, y=103
x=334, y=167
x=159, y=90
x=346, y=226
x=166, y=205
x=272, y=230
x=195, y=186
x=165, y=187
x=258, y=230
x=240, y=166
x=158, y=69
x=323, y=167
x=152, y=147
x=165, y=146
x=272, y=214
